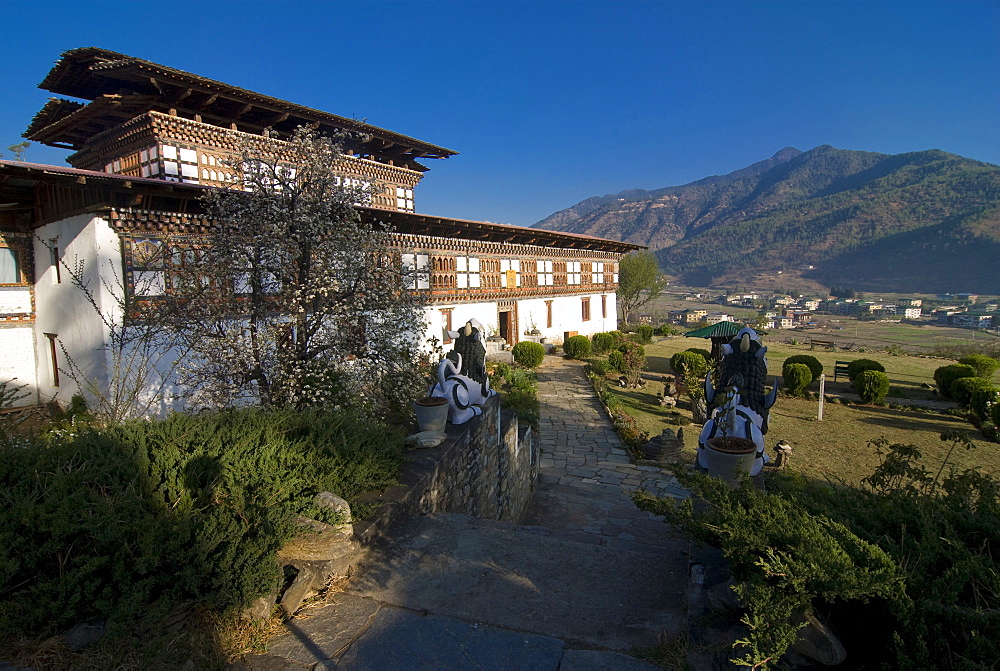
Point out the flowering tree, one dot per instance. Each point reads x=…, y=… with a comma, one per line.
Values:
x=294, y=300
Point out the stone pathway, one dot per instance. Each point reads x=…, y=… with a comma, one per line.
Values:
x=585, y=579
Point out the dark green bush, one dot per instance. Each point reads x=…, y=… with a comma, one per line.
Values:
x=995, y=414
x=797, y=377
x=872, y=386
x=689, y=364
x=645, y=333
x=859, y=366
x=962, y=388
x=519, y=392
x=667, y=330
x=703, y=352
x=815, y=367
x=124, y=523
x=598, y=367
x=945, y=375
x=602, y=342
x=982, y=400
x=577, y=347
x=528, y=354
x=985, y=366
x=616, y=361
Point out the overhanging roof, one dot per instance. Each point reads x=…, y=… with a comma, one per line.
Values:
x=91, y=73
x=19, y=181
x=718, y=330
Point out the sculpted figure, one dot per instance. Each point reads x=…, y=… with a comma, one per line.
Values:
x=464, y=394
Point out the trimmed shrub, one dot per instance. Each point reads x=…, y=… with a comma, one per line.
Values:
x=689, y=363
x=577, y=347
x=703, y=352
x=645, y=333
x=872, y=386
x=797, y=377
x=815, y=367
x=602, y=342
x=618, y=336
x=616, y=360
x=666, y=330
x=599, y=367
x=962, y=388
x=985, y=366
x=528, y=354
x=982, y=400
x=945, y=375
x=859, y=366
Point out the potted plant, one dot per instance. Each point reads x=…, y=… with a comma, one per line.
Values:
x=728, y=454
x=533, y=331
x=432, y=413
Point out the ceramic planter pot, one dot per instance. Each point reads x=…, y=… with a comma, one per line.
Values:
x=728, y=455
x=432, y=413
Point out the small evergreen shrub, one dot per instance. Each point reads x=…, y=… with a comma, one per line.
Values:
x=666, y=330
x=815, y=367
x=945, y=375
x=598, y=367
x=528, y=354
x=616, y=361
x=645, y=333
x=962, y=388
x=858, y=366
x=519, y=393
x=995, y=414
x=689, y=364
x=703, y=352
x=577, y=347
x=618, y=336
x=982, y=401
x=872, y=386
x=985, y=366
x=602, y=342
x=797, y=377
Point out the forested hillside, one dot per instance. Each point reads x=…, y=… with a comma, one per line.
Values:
x=924, y=221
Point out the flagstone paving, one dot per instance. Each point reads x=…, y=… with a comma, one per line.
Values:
x=585, y=579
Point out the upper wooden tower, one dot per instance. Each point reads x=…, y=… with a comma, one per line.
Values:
x=149, y=120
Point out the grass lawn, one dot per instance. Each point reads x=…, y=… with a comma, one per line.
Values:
x=837, y=447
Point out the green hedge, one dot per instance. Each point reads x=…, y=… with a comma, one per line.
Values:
x=858, y=366
x=872, y=386
x=985, y=366
x=962, y=388
x=815, y=367
x=528, y=354
x=689, y=363
x=983, y=400
x=645, y=333
x=797, y=377
x=616, y=361
x=945, y=375
x=577, y=347
x=122, y=524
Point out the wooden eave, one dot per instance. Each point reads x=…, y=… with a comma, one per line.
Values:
x=75, y=129
x=483, y=231
x=90, y=72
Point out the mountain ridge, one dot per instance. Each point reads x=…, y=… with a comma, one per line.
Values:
x=860, y=219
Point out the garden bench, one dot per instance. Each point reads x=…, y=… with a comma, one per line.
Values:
x=840, y=368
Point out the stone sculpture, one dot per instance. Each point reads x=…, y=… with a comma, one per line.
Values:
x=743, y=410
x=465, y=395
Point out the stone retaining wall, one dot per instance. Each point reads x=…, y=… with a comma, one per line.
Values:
x=486, y=468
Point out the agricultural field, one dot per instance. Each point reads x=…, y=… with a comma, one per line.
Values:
x=836, y=448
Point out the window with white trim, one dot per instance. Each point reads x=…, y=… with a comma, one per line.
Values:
x=404, y=199
x=544, y=273
x=510, y=273
x=572, y=272
x=467, y=272
x=417, y=267
x=598, y=272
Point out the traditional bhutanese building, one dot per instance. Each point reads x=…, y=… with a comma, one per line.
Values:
x=149, y=140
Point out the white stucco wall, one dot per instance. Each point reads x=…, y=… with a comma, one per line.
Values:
x=89, y=247
x=17, y=361
x=567, y=315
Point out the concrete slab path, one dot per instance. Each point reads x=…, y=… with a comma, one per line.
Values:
x=586, y=579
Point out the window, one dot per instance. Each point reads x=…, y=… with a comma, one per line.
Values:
x=10, y=266
x=544, y=271
x=417, y=267
x=598, y=273
x=572, y=272
x=53, y=360
x=446, y=325
x=54, y=258
x=510, y=273
x=586, y=309
x=404, y=199
x=548, y=314
x=467, y=272
x=604, y=307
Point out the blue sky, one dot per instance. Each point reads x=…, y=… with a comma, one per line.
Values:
x=549, y=103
